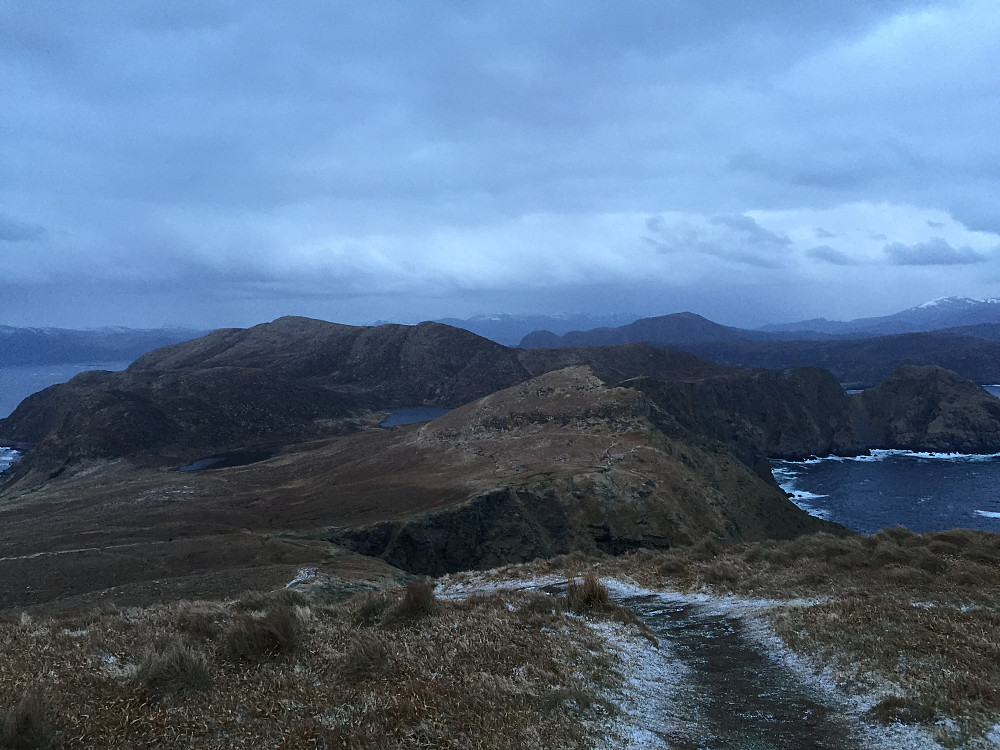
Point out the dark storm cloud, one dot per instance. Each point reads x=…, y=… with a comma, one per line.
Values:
x=750, y=231
x=934, y=252
x=829, y=255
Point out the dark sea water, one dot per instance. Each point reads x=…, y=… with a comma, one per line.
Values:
x=922, y=491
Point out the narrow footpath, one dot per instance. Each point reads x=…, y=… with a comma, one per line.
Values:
x=733, y=695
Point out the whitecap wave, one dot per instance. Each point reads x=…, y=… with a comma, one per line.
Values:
x=809, y=508
x=787, y=479
x=7, y=457
x=987, y=513
x=881, y=454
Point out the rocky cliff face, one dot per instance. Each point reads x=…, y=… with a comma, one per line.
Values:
x=931, y=409
x=760, y=414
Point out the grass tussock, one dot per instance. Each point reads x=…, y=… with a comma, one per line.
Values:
x=587, y=595
x=590, y=596
x=418, y=601
x=177, y=670
x=370, y=657
x=392, y=670
x=252, y=637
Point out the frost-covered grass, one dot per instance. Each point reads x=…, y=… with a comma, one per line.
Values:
x=391, y=669
x=905, y=625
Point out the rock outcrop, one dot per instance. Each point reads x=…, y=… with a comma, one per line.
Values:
x=931, y=409
x=760, y=414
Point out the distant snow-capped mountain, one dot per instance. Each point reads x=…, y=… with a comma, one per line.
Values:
x=945, y=312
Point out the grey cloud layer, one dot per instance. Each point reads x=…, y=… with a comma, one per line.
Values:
x=934, y=252
x=280, y=150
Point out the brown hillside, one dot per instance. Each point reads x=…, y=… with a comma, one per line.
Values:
x=559, y=463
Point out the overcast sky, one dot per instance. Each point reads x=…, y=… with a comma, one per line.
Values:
x=224, y=163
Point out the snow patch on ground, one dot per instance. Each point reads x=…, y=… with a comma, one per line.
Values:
x=657, y=681
x=654, y=680
x=753, y=612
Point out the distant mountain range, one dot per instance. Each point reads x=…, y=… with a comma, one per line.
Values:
x=957, y=333
x=510, y=329
x=49, y=346
x=513, y=330
x=947, y=312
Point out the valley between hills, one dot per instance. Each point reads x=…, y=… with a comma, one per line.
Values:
x=646, y=464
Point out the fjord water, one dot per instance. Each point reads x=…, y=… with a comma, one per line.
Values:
x=921, y=491
x=17, y=383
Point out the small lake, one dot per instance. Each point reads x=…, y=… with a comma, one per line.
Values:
x=412, y=415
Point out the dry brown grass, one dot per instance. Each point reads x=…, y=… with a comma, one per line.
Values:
x=370, y=657
x=500, y=671
x=418, y=601
x=588, y=595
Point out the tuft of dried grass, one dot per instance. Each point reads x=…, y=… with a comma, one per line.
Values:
x=176, y=670
x=250, y=638
x=368, y=657
x=418, y=601
x=368, y=608
x=200, y=620
x=25, y=725
x=588, y=595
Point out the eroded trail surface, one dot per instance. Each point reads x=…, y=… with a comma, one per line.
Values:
x=733, y=694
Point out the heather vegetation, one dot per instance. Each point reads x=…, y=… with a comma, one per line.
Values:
x=388, y=669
